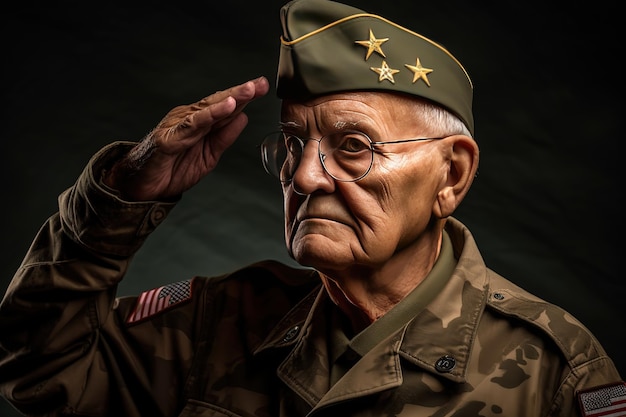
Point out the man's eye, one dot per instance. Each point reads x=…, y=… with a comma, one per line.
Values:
x=353, y=143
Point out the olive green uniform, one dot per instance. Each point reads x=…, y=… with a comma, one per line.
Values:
x=265, y=340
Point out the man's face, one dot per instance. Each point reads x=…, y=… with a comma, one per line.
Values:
x=332, y=225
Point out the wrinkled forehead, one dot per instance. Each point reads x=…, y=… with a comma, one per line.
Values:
x=363, y=110
x=358, y=99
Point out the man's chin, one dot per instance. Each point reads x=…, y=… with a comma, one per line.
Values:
x=317, y=251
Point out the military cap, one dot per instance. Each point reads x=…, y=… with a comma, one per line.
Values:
x=329, y=47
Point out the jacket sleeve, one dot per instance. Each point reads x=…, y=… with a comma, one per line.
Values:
x=62, y=328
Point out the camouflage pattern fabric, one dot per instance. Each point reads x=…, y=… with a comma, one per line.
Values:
x=252, y=343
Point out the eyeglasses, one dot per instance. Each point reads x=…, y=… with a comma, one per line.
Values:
x=347, y=155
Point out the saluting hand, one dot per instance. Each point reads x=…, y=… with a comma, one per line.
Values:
x=185, y=146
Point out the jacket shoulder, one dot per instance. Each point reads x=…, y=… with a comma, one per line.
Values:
x=268, y=275
x=265, y=287
x=576, y=343
x=263, y=290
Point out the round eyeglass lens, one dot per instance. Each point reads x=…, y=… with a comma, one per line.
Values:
x=345, y=155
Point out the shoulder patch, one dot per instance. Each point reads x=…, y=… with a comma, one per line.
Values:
x=159, y=299
x=603, y=401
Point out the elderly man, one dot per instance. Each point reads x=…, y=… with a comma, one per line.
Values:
x=396, y=313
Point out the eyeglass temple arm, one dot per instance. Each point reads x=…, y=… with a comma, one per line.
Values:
x=406, y=140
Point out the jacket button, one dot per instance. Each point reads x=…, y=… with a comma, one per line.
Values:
x=445, y=364
x=157, y=215
x=498, y=296
x=291, y=333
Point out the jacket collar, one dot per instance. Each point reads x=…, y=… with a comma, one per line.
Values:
x=438, y=340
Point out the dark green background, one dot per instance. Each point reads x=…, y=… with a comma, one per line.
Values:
x=545, y=207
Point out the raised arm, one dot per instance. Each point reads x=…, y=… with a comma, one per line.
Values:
x=63, y=343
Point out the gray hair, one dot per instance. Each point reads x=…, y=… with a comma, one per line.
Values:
x=439, y=120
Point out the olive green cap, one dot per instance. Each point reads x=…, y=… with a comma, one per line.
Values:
x=329, y=47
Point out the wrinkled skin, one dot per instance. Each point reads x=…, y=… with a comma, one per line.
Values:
x=375, y=239
x=252, y=342
x=186, y=145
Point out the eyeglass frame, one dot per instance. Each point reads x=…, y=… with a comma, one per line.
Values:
x=321, y=156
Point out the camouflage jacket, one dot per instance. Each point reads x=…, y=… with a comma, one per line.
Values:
x=251, y=343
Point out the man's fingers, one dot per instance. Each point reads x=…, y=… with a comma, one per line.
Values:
x=249, y=90
x=215, y=115
x=242, y=93
x=223, y=138
x=186, y=125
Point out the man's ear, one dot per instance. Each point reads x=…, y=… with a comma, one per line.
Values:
x=462, y=152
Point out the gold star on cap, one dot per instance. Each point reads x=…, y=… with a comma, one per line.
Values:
x=385, y=73
x=419, y=71
x=373, y=45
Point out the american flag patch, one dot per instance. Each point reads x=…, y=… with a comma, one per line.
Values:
x=604, y=401
x=158, y=299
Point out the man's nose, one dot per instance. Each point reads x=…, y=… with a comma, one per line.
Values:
x=310, y=174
